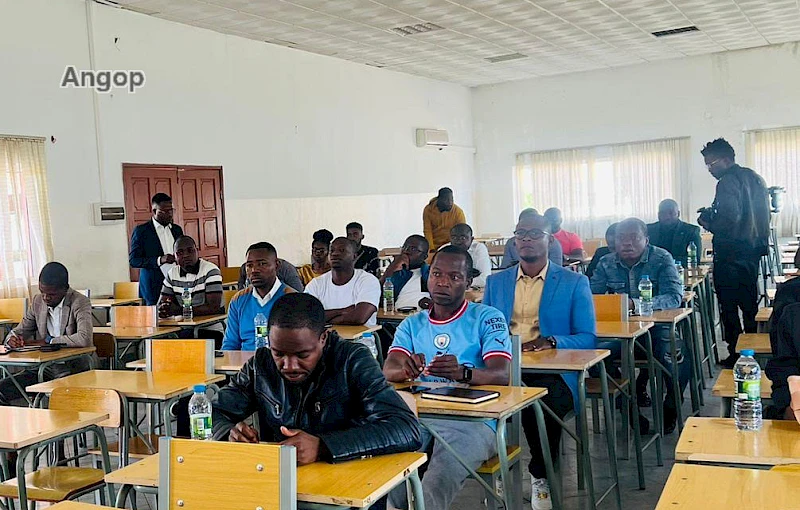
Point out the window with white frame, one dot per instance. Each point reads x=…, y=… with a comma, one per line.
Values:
x=596, y=186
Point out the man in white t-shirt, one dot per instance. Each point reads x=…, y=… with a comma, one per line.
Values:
x=409, y=274
x=461, y=237
x=349, y=295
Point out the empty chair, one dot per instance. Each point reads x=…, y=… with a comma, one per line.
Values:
x=126, y=290
x=611, y=307
x=134, y=317
x=180, y=356
x=13, y=308
x=230, y=274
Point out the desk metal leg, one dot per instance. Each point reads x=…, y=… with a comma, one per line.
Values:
x=676, y=385
x=657, y=415
x=610, y=438
x=694, y=380
x=416, y=489
x=583, y=426
x=555, y=485
x=634, y=408
x=502, y=455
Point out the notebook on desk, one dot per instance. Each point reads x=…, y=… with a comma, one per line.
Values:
x=460, y=395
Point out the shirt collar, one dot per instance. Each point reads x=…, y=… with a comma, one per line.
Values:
x=58, y=307
x=642, y=260
x=541, y=275
x=192, y=270
x=160, y=226
x=271, y=294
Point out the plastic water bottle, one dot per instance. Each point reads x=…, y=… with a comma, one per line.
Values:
x=369, y=340
x=186, y=300
x=747, y=405
x=200, y=414
x=260, y=324
x=388, y=296
x=645, y=296
x=681, y=271
x=691, y=256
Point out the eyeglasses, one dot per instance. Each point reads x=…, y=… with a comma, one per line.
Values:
x=459, y=238
x=534, y=234
x=621, y=238
x=411, y=249
x=709, y=165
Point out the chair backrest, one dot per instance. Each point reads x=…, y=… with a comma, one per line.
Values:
x=707, y=247
x=230, y=274
x=265, y=474
x=13, y=308
x=227, y=295
x=134, y=317
x=180, y=356
x=611, y=307
x=103, y=344
x=126, y=290
x=89, y=400
x=590, y=246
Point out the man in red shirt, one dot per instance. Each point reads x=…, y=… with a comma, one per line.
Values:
x=570, y=242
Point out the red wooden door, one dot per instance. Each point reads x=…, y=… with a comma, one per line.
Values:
x=201, y=211
x=196, y=196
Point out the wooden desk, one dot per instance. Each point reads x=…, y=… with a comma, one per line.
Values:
x=719, y=488
x=511, y=400
x=783, y=279
x=665, y=316
x=572, y=360
x=623, y=330
x=195, y=324
x=6, y=321
x=354, y=332
x=358, y=483
x=137, y=333
x=764, y=314
x=111, y=302
x=771, y=295
x=25, y=426
x=76, y=505
x=230, y=363
x=725, y=388
x=394, y=316
x=39, y=360
x=717, y=441
x=759, y=342
x=496, y=250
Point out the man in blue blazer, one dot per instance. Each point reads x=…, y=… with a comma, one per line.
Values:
x=152, y=248
x=549, y=307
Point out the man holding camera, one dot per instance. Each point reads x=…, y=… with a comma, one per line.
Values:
x=739, y=219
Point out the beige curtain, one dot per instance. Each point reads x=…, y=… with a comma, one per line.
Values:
x=25, y=238
x=775, y=155
x=597, y=186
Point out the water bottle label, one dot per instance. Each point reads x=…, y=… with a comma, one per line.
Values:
x=748, y=390
x=261, y=331
x=646, y=294
x=388, y=294
x=201, y=426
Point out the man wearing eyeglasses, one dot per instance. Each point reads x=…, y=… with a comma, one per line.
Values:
x=549, y=307
x=739, y=219
x=511, y=254
x=409, y=274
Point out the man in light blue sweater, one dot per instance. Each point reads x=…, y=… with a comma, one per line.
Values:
x=265, y=288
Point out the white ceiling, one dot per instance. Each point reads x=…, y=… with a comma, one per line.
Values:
x=558, y=36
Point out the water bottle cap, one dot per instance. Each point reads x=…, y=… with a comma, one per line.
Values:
x=199, y=388
x=645, y=277
x=366, y=335
x=748, y=352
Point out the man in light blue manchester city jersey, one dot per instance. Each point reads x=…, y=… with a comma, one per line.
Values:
x=455, y=341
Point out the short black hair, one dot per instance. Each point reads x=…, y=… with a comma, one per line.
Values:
x=421, y=239
x=462, y=226
x=445, y=191
x=529, y=211
x=160, y=198
x=323, y=236
x=354, y=224
x=263, y=245
x=720, y=148
x=611, y=231
x=55, y=274
x=297, y=311
x=350, y=242
x=184, y=237
x=458, y=251
x=635, y=221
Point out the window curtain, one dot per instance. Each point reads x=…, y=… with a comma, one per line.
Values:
x=25, y=237
x=597, y=186
x=775, y=155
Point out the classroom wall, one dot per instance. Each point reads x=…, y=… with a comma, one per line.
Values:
x=306, y=141
x=700, y=97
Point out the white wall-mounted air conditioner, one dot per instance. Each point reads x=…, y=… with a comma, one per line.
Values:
x=108, y=213
x=432, y=138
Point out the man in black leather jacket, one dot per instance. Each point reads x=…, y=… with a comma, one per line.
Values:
x=312, y=390
x=739, y=220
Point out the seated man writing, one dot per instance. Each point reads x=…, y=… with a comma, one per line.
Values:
x=204, y=281
x=57, y=315
x=619, y=273
x=349, y=295
x=265, y=288
x=325, y=396
x=549, y=307
x=409, y=274
x=455, y=341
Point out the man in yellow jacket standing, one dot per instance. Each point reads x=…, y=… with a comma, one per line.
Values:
x=439, y=216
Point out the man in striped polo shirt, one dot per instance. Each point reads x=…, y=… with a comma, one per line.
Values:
x=204, y=281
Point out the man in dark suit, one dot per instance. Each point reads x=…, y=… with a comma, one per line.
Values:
x=152, y=248
x=672, y=234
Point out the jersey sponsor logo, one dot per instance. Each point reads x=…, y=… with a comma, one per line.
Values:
x=441, y=341
x=495, y=324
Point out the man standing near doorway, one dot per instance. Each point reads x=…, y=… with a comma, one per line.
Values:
x=152, y=248
x=439, y=216
x=739, y=220
x=672, y=234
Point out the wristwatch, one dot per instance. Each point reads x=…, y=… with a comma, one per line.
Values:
x=467, y=374
x=552, y=341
